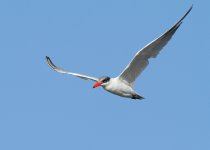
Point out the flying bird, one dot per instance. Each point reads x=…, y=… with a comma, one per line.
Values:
x=123, y=84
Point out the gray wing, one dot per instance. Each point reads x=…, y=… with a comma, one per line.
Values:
x=50, y=63
x=151, y=50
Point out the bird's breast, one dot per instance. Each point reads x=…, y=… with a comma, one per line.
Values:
x=118, y=87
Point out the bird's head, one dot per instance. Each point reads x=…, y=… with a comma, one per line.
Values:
x=102, y=81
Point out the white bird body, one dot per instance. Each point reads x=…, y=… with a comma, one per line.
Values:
x=120, y=88
x=123, y=84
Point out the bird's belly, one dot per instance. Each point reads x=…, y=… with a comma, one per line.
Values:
x=120, y=89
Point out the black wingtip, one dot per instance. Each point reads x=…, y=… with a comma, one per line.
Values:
x=189, y=10
x=191, y=6
x=49, y=62
x=47, y=58
x=177, y=25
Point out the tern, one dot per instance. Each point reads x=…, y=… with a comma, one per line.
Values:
x=123, y=84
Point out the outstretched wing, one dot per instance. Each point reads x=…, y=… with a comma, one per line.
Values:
x=151, y=50
x=60, y=70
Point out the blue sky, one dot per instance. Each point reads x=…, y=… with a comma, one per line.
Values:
x=41, y=109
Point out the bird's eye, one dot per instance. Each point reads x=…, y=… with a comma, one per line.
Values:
x=106, y=80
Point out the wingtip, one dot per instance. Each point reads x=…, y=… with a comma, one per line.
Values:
x=181, y=20
x=49, y=62
x=191, y=6
x=47, y=58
